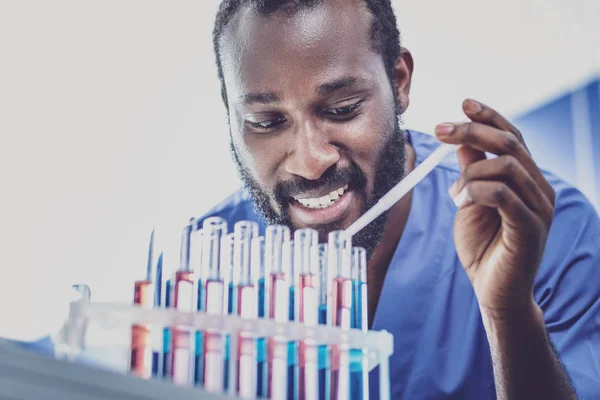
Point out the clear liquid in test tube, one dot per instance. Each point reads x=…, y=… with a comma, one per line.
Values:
x=340, y=308
x=306, y=310
x=215, y=300
x=277, y=288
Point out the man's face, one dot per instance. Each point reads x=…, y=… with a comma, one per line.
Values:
x=313, y=117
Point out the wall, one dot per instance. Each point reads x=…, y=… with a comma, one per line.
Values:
x=564, y=137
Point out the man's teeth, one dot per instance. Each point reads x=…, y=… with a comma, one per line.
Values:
x=325, y=201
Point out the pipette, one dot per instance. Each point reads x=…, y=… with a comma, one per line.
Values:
x=401, y=189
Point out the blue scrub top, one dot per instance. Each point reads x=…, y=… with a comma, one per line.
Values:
x=428, y=304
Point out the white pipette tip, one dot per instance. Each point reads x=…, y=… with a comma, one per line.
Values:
x=401, y=189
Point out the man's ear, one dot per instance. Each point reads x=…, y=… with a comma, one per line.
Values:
x=402, y=77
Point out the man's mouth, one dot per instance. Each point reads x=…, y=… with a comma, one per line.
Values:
x=323, y=209
x=324, y=201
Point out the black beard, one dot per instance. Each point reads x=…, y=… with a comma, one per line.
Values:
x=389, y=171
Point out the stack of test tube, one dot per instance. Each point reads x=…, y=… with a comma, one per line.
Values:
x=278, y=276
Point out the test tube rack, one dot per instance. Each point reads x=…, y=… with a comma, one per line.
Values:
x=106, y=328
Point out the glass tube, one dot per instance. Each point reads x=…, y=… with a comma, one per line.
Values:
x=306, y=270
x=245, y=303
x=324, y=356
x=141, y=360
x=215, y=298
x=258, y=268
x=277, y=237
x=184, y=298
x=359, y=376
x=339, y=262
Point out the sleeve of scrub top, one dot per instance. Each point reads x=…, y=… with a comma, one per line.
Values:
x=568, y=289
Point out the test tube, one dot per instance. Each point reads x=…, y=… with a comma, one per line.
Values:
x=227, y=266
x=245, y=304
x=339, y=265
x=306, y=310
x=215, y=302
x=184, y=299
x=359, y=375
x=141, y=357
x=292, y=357
x=277, y=238
x=195, y=261
x=258, y=265
x=157, y=335
x=324, y=319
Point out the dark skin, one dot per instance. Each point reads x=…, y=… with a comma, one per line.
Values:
x=285, y=84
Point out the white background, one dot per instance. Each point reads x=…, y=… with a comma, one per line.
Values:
x=111, y=123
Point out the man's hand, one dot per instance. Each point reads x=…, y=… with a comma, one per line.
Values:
x=505, y=210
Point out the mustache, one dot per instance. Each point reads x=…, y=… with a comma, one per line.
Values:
x=334, y=176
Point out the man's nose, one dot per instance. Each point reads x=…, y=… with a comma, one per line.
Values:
x=311, y=152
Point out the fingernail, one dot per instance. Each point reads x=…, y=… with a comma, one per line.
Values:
x=472, y=106
x=444, y=129
x=463, y=198
x=453, y=190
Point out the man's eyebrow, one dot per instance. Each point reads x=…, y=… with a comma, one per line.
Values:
x=260, y=98
x=342, y=83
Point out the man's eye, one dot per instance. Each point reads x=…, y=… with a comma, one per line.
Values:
x=341, y=111
x=266, y=124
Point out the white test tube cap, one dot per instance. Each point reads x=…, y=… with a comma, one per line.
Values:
x=275, y=238
x=305, y=247
x=244, y=233
x=215, y=229
x=340, y=246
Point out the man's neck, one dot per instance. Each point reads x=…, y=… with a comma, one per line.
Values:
x=382, y=256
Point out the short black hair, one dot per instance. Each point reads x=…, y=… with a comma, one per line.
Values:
x=385, y=36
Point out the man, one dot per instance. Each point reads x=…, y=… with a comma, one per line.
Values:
x=314, y=91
